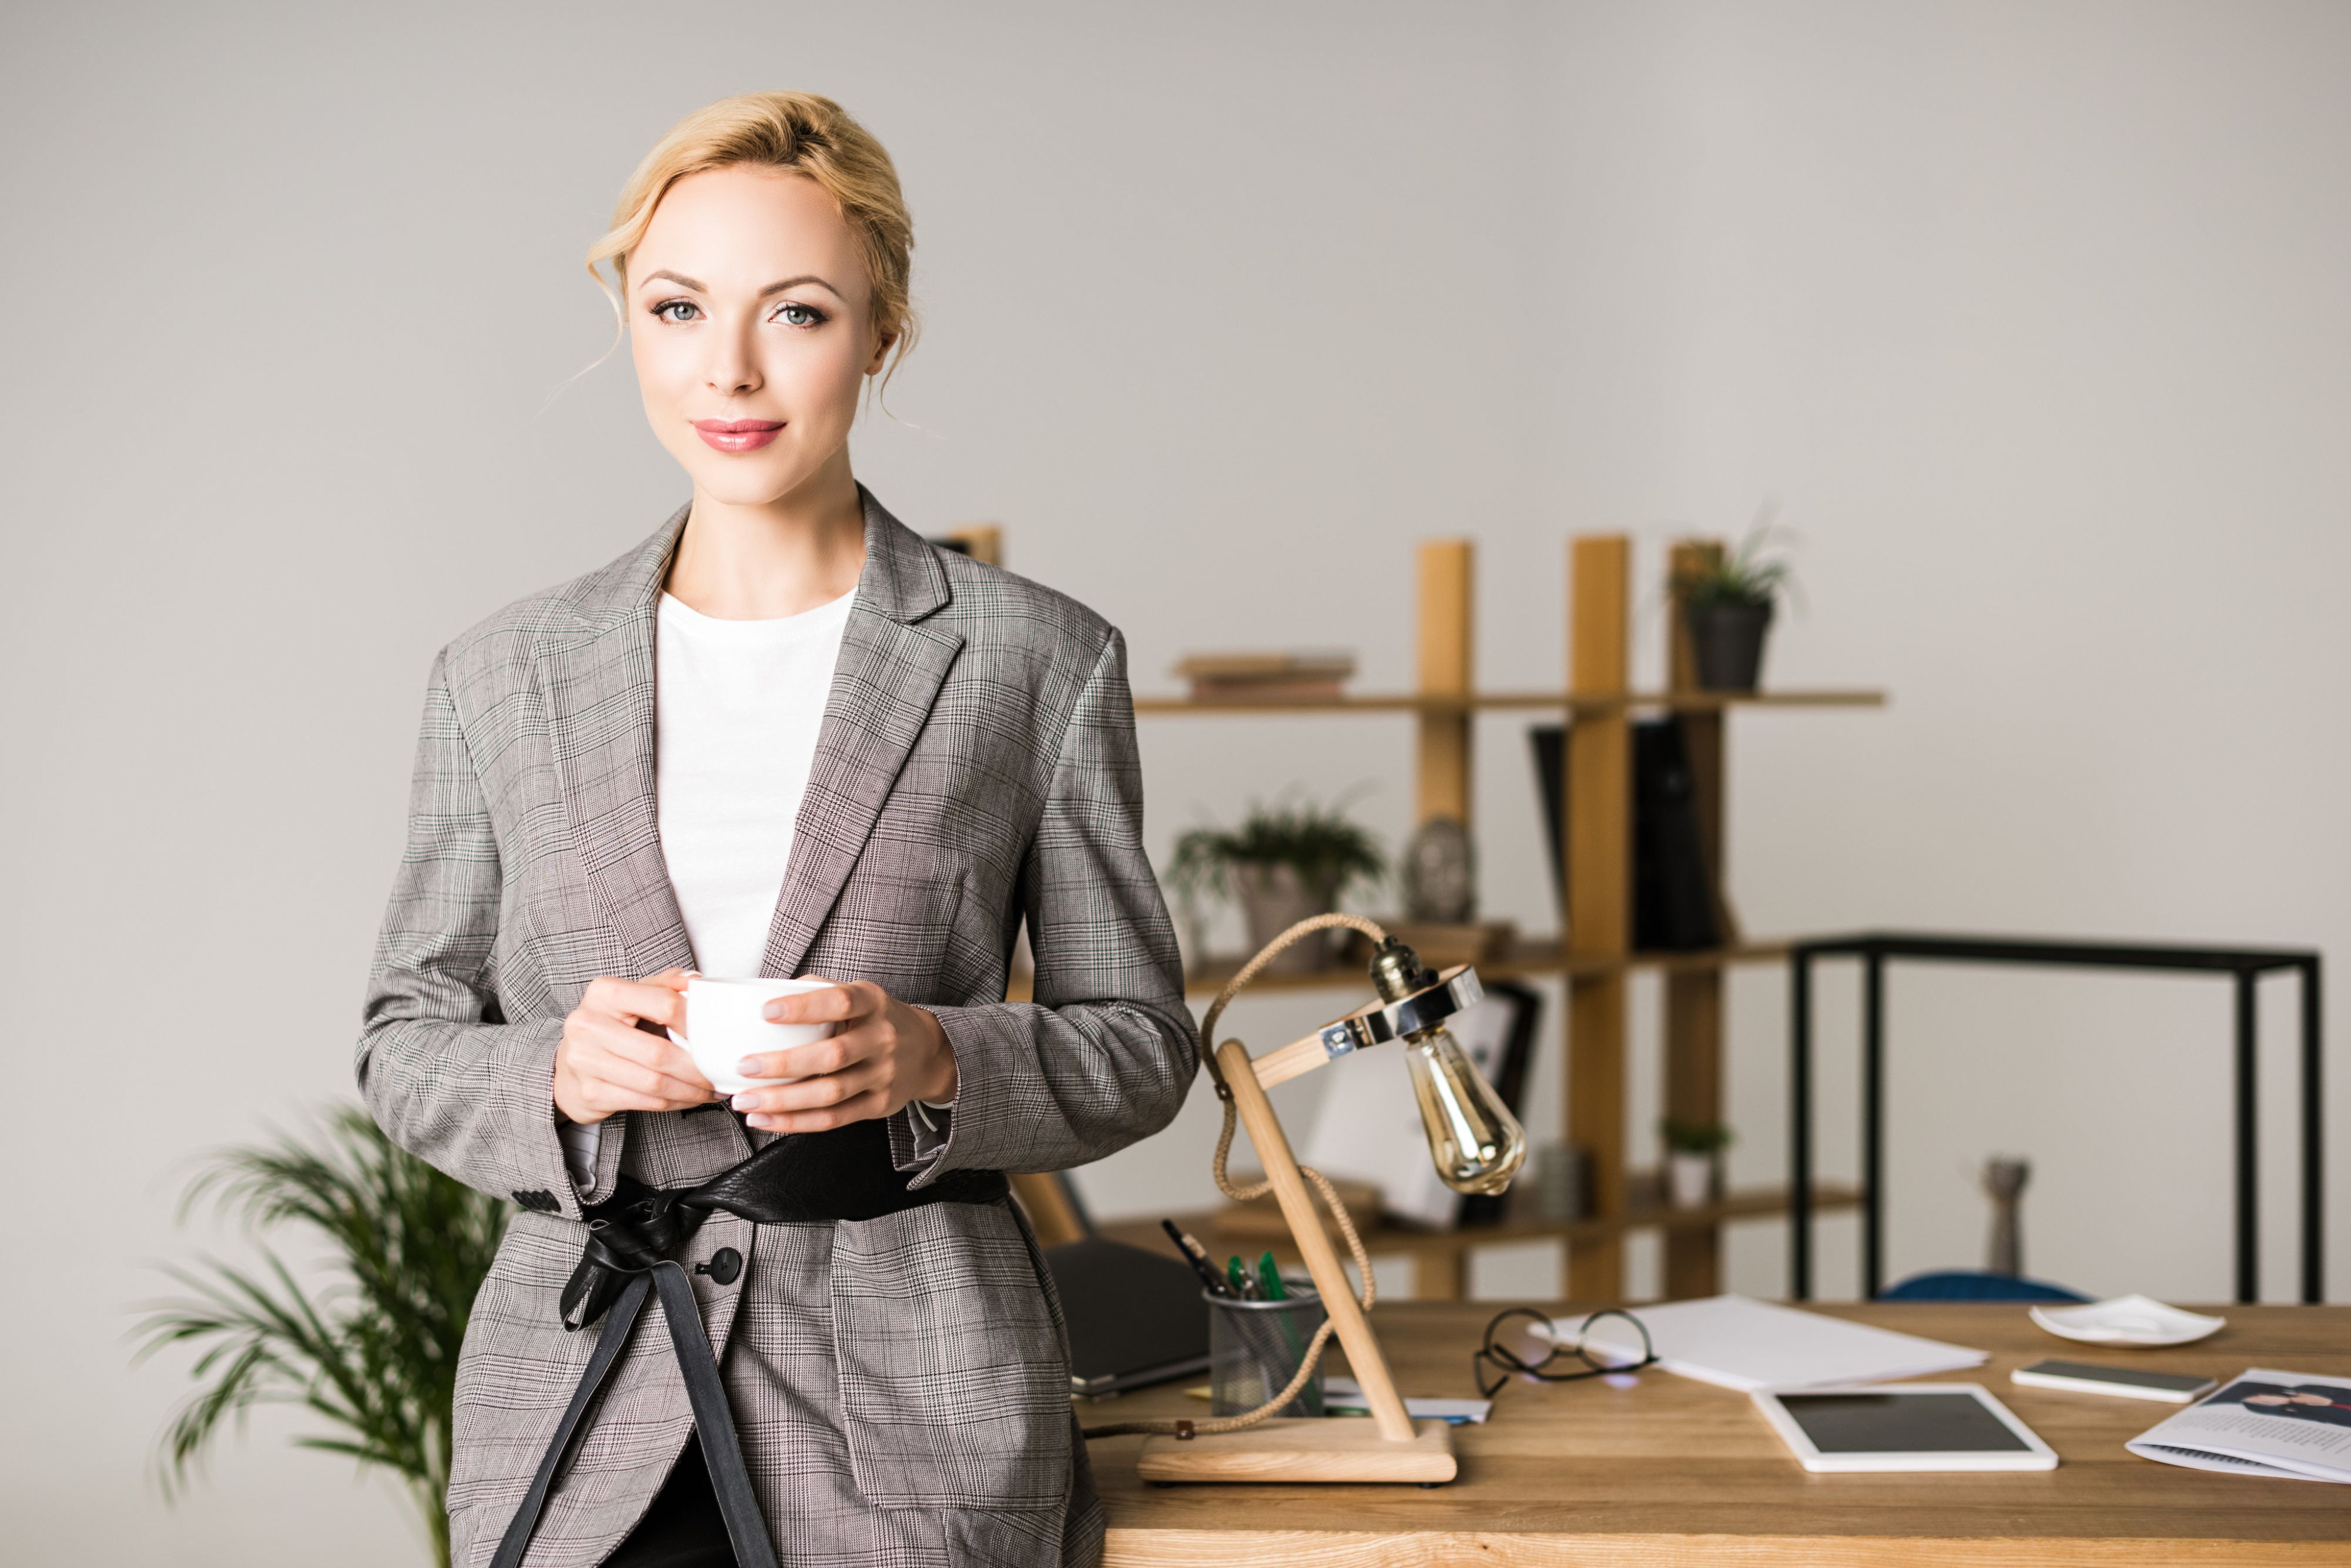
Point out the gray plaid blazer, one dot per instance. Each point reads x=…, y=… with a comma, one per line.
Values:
x=900, y=1385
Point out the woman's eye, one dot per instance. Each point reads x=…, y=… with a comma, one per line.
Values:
x=791, y=313
x=677, y=310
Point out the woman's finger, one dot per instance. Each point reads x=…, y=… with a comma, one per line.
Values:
x=635, y=1060
x=605, y=1096
x=654, y=1001
x=831, y=1054
x=860, y=1108
x=627, y=1088
x=640, y=1045
x=634, y=1077
x=834, y=1004
x=812, y=1094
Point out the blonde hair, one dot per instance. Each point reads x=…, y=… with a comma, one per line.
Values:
x=808, y=134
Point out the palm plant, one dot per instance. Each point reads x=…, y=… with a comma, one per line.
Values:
x=374, y=1351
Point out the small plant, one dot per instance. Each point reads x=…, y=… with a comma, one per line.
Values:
x=1317, y=842
x=1695, y=1137
x=374, y=1353
x=1727, y=602
x=1739, y=577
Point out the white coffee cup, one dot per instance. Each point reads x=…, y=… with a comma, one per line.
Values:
x=725, y=1021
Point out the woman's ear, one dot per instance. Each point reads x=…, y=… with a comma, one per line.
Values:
x=880, y=353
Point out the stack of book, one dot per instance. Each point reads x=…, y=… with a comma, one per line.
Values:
x=1267, y=677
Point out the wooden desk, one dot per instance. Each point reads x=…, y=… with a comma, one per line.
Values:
x=1674, y=1472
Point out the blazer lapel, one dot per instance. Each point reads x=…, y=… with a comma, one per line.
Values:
x=890, y=672
x=598, y=682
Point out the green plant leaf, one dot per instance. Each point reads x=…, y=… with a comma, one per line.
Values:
x=372, y=1347
x=1740, y=576
x=1683, y=1137
x=1321, y=843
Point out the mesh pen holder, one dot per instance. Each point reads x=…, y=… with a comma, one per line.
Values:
x=1254, y=1349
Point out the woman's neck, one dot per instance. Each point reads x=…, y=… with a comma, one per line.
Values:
x=762, y=562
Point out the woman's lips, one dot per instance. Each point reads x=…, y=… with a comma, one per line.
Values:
x=737, y=435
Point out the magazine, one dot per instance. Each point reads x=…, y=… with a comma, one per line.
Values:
x=2264, y=1423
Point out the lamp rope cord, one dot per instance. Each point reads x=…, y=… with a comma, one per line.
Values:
x=1249, y=971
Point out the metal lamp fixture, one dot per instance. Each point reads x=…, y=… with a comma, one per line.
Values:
x=1476, y=1143
x=1478, y=1146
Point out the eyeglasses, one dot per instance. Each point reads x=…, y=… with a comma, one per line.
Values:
x=1521, y=1340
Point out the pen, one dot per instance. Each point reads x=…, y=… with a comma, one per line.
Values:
x=1268, y=1279
x=1197, y=1256
x=1243, y=1286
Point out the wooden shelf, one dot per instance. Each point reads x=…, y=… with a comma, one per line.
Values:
x=1524, y=960
x=1597, y=695
x=1548, y=702
x=1439, y=1257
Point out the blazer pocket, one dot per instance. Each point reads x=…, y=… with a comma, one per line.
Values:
x=954, y=1390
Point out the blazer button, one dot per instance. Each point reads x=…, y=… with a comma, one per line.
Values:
x=724, y=1266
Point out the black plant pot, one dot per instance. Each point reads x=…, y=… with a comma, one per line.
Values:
x=1728, y=640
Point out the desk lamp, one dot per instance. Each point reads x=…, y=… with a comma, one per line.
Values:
x=1476, y=1145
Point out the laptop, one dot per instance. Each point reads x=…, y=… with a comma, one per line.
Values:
x=1135, y=1316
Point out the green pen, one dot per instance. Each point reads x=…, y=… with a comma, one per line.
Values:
x=1269, y=1286
x=1243, y=1286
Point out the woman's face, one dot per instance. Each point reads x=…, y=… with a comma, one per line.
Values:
x=749, y=322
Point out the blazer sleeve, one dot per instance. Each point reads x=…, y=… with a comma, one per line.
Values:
x=1106, y=1053
x=442, y=1072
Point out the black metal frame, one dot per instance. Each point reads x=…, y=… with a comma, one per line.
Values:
x=2246, y=965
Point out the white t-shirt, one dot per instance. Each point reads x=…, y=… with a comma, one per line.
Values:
x=737, y=708
x=737, y=705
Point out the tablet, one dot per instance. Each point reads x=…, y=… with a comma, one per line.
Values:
x=2129, y=1382
x=1903, y=1426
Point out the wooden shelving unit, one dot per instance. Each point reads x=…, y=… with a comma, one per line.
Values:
x=1545, y=702
x=1440, y=1258
x=1522, y=961
x=1597, y=960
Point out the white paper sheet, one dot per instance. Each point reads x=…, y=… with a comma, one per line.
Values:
x=1343, y=1396
x=1739, y=1342
x=2262, y=1422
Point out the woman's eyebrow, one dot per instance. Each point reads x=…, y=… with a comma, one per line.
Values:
x=796, y=282
x=682, y=281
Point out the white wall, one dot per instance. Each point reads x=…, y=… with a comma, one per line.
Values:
x=2029, y=318
x=2033, y=320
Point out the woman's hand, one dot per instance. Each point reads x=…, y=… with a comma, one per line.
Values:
x=606, y=1063
x=882, y=1055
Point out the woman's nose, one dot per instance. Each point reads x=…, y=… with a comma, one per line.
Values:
x=734, y=369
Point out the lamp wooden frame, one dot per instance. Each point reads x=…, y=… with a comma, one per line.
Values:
x=1385, y=1446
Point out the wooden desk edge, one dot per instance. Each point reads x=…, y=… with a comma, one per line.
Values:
x=1514, y=1510
x=1146, y=1548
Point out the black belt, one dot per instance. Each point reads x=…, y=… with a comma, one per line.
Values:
x=801, y=1178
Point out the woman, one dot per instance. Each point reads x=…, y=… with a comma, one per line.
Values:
x=783, y=736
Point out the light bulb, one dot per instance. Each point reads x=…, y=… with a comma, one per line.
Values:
x=1476, y=1142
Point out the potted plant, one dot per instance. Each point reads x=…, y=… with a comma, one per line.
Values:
x=1728, y=605
x=1284, y=865
x=374, y=1350
x=1693, y=1161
